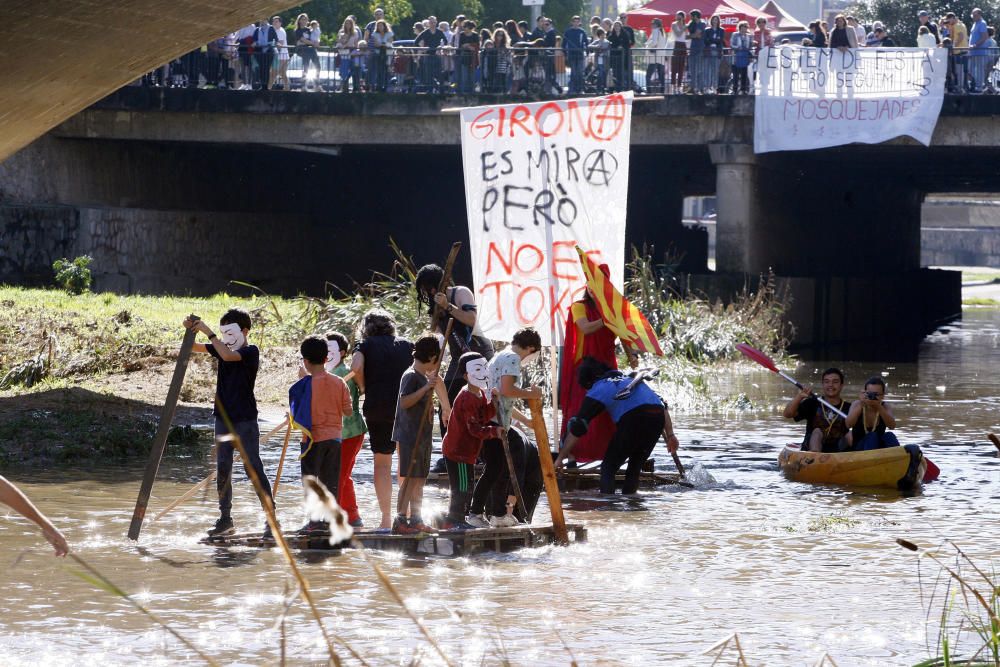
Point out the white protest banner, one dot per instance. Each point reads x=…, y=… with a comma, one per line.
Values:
x=540, y=179
x=814, y=98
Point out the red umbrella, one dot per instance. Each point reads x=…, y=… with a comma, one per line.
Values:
x=730, y=13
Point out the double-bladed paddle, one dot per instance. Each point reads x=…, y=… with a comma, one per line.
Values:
x=756, y=355
x=765, y=361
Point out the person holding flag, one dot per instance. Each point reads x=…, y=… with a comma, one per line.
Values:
x=593, y=324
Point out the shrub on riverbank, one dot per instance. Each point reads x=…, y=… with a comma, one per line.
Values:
x=73, y=435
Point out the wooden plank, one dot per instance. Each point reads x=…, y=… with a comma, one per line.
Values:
x=548, y=471
x=445, y=543
x=160, y=441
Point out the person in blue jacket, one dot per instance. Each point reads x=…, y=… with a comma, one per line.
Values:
x=640, y=417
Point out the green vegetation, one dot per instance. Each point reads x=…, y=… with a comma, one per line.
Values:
x=52, y=334
x=965, y=602
x=74, y=277
x=980, y=301
x=71, y=435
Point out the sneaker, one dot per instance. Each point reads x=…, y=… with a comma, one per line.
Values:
x=356, y=523
x=401, y=526
x=312, y=528
x=505, y=521
x=477, y=521
x=448, y=525
x=421, y=527
x=224, y=526
x=267, y=534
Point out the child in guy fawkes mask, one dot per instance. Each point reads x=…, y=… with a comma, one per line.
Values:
x=235, y=379
x=468, y=426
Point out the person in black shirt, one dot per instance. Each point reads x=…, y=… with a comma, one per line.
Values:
x=869, y=418
x=379, y=361
x=826, y=431
x=925, y=20
x=430, y=64
x=468, y=57
x=238, y=362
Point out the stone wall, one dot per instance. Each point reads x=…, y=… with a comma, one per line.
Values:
x=32, y=238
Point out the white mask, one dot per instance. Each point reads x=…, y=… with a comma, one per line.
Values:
x=530, y=359
x=232, y=336
x=477, y=372
x=333, y=355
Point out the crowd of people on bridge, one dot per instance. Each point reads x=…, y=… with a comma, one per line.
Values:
x=693, y=54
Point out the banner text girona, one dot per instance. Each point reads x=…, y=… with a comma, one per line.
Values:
x=601, y=120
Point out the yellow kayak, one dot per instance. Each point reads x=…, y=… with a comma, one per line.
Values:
x=894, y=467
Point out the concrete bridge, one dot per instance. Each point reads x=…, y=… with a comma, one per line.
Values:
x=185, y=189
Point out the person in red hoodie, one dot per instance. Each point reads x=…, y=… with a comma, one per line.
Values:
x=469, y=425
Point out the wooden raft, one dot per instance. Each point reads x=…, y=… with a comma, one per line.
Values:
x=588, y=478
x=445, y=543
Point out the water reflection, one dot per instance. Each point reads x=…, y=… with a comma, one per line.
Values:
x=795, y=569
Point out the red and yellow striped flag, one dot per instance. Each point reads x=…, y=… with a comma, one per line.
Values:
x=618, y=313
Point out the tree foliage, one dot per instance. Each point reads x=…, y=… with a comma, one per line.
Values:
x=900, y=16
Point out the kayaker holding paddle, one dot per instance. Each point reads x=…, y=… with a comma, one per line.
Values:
x=640, y=417
x=826, y=429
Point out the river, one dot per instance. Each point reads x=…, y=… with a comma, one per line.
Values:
x=796, y=570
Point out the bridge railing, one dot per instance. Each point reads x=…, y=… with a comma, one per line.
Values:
x=403, y=68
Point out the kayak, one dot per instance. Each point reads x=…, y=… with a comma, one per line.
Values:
x=894, y=467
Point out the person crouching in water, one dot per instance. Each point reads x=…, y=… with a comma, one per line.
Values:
x=640, y=418
x=468, y=427
x=826, y=431
x=869, y=418
x=412, y=432
x=328, y=402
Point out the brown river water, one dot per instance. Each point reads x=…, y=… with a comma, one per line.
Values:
x=796, y=570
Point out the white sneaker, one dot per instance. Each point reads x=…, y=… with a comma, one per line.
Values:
x=505, y=521
x=477, y=521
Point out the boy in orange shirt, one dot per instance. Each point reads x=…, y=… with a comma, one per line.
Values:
x=329, y=401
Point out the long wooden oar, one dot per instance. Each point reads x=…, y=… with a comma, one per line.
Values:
x=548, y=471
x=932, y=471
x=403, y=496
x=513, y=471
x=995, y=440
x=194, y=489
x=281, y=461
x=160, y=440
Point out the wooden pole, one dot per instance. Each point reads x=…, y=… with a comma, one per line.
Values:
x=513, y=473
x=281, y=461
x=160, y=441
x=548, y=471
x=554, y=374
x=403, y=497
x=195, y=489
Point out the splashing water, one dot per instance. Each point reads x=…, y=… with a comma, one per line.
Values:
x=701, y=478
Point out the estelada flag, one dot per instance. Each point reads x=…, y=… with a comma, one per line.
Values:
x=300, y=414
x=618, y=313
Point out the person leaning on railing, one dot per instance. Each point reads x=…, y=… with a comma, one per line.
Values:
x=575, y=47
x=379, y=44
x=678, y=58
x=741, y=43
x=843, y=36
x=656, y=59
x=715, y=43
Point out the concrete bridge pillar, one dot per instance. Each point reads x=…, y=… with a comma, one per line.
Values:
x=737, y=207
